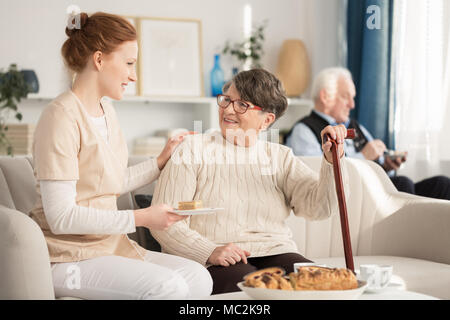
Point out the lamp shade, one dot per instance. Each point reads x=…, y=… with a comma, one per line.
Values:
x=293, y=67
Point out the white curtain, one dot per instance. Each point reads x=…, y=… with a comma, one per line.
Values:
x=421, y=74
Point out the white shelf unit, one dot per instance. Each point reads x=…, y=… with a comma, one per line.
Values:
x=297, y=109
x=141, y=116
x=204, y=108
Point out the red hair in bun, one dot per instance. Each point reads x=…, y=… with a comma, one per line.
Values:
x=76, y=23
x=99, y=32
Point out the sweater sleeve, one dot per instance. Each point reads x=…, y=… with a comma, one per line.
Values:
x=141, y=174
x=178, y=182
x=64, y=216
x=309, y=194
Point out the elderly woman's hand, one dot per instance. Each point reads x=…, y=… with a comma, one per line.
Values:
x=337, y=133
x=228, y=255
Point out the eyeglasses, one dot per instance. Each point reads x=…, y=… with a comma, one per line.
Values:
x=239, y=106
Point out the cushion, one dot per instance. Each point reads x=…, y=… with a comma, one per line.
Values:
x=5, y=196
x=143, y=200
x=19, y=176
x=24, y=264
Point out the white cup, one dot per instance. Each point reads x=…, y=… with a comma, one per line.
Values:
x=376, y=276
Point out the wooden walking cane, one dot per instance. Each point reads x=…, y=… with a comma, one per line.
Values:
x=341, y=198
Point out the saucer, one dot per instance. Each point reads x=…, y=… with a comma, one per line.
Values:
x=390, y=286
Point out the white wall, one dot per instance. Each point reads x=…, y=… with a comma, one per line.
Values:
x=32, y=32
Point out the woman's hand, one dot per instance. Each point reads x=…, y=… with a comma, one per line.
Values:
x=227, y=255
x=337, y=133
x=170, y=147
x=156, y=217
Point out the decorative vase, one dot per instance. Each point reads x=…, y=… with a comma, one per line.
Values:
x=31, y=79
x=293, y=67
x=217, y=77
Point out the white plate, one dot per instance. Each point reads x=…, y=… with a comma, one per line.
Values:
x=274, y=294
x=390, y=286
x=196, y=211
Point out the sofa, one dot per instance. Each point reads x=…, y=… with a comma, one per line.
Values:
x=386, y=226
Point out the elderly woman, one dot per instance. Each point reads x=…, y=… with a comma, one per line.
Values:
x=257, y=182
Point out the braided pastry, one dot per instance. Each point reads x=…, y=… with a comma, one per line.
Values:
x=269, y=278
x=307, y=278
x=319, y=278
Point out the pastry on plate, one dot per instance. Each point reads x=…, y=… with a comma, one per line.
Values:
x=268, y=278
x=190, y=205
x=307, y=278
x=320, y=278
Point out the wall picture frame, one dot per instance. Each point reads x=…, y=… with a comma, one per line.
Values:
x=170, y=62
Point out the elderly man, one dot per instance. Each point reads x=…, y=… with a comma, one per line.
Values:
x=333, y=92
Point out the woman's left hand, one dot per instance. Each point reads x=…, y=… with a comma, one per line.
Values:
x=170, y=147
x=337, y=133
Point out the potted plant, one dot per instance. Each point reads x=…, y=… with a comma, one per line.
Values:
x=250, y=51
x=13, y=88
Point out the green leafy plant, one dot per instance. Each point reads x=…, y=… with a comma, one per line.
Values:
x=250, y=49
x=13, y=88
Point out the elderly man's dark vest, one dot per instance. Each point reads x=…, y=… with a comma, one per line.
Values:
x=316, y=123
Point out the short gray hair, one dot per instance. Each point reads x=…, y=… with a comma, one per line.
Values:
x=328, y=79
x=261, y=88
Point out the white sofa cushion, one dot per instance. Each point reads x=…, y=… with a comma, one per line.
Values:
x=18, y=174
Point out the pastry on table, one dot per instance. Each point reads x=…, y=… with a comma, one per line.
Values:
x=190, y=205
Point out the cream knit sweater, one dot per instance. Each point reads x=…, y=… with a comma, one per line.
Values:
x=258, y=187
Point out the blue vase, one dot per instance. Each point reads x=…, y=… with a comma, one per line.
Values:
x=217, y=77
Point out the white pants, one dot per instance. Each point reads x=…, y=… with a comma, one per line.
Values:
x=160, y=276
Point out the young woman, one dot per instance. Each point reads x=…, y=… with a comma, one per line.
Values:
x=80, y=162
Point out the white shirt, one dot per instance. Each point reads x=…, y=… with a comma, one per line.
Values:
x=303, y=142
x=100, y=124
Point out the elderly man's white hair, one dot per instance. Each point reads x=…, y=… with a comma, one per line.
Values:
x=328, y=79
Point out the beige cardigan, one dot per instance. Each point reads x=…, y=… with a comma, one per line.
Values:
x=67, y=146
x=257, y=186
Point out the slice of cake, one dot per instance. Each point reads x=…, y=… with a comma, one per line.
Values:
x=190, y=205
